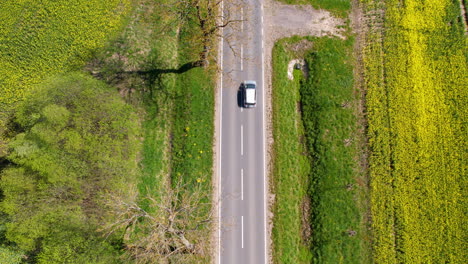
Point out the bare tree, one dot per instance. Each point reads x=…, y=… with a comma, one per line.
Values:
x=210, y=19
x=175, y=223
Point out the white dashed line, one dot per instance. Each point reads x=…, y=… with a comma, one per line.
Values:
x=242, y=219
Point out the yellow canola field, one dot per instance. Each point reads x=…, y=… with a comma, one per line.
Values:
x=417, y=123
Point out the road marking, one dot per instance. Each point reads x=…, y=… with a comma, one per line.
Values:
x=242, y=140
x=220, y=136
x=242, y=57
x=242, y=184
x=242, y=231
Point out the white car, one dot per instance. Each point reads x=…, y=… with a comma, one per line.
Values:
x=249, y=92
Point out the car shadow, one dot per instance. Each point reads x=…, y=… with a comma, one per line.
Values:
x=240, y=96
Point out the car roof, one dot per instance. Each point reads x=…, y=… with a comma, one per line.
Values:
x=250, y=96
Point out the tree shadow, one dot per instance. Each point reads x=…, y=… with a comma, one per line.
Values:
x=153, y=79
x=153, y=75
x=157, y=72
x=149, y=83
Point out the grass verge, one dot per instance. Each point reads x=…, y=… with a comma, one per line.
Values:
x=291, y=165
x=317, y=217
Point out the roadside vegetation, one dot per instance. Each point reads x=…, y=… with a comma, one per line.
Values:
x=415, y=76
x=155, y=69
x=291, y=167
x=155, y=204
x=317, y=182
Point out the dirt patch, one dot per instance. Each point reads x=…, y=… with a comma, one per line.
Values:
x=305, y=221
x=302, y=20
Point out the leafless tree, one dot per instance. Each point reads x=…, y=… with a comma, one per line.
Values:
x=210, y=19
x=176, y=224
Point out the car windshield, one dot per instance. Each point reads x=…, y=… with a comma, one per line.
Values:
x=250, y=86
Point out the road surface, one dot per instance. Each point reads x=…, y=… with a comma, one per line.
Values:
x=242, y=141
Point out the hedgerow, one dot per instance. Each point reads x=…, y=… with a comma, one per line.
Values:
x=416, y=73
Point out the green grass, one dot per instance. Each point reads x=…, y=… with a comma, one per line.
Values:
x=291, y=167
x=317, y=181
x=145, y=49
x=329, y=103
x=193, y=128
x=193, y=119
x=192, y=134
x=141, y=47
x=177, y=108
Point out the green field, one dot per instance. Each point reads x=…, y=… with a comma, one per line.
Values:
x=415, y=76
x=318, y=184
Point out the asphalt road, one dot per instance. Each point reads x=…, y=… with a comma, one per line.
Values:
x=242, y=143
